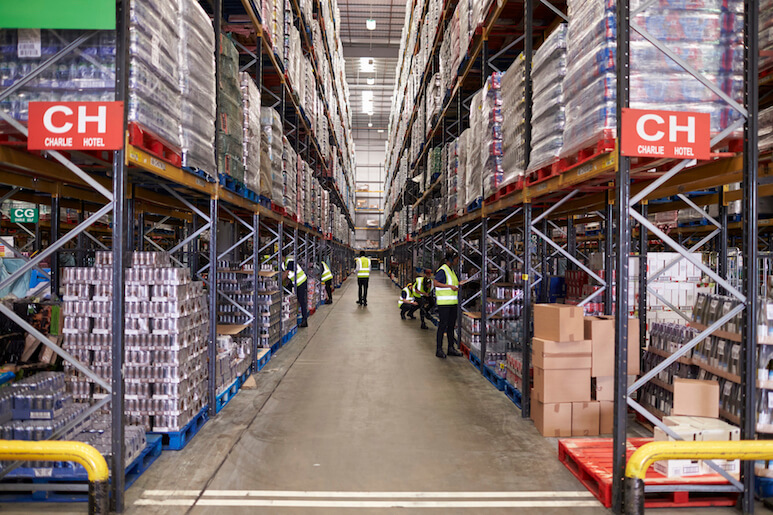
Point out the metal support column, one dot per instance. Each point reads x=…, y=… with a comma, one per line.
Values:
x=280, y=257
x=571, y=241
x=38, y=241
x=609, y=260
x=623, y=236
x=483, y=292
x=460, y=267
x=141, y=231
x=750, y=245
x=212, y=284
x=53, y=237
x=527, y=305
x=643, y=249
x=130, y=216
x=543, y=268
x=255, y=292
x=722, y=268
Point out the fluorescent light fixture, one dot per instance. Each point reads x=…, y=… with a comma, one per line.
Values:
x=371, y=81
x=370, y=24
x=367, y=65
x=380, y=131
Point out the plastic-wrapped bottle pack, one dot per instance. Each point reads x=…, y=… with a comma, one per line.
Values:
x=271, y=147
x=492, y=171
x=166, y=333
x=252, y=132
x=513, y=122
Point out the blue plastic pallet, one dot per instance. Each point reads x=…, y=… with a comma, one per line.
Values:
x=69, y=473
x=475, y=205
x=275, y=347
x=289, y=336
x=199, y=173
x=230, y=392
x=763, y=487
x=513, y=394
x=177, y=440
x=475, y=360
x=493, y=378
x=262, y=362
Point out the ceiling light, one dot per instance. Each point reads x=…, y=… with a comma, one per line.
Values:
x=370, y=24
x=371, y=81
x=370, y=124
x=367, y=65
x=380, y=131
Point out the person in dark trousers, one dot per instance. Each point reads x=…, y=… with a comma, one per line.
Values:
x=297, y=277
x=362, y=267
x=422, y=292
x=327, y=280
x=447, y=293
x=407, y=303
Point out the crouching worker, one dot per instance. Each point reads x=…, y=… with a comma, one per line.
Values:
x=407, y=303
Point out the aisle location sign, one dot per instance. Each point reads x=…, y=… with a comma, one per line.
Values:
x=666, y=134
x=24, y=215
x=75, y=126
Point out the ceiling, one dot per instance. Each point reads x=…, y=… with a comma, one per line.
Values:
x=381, y=45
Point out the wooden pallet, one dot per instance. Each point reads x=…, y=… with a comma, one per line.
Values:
x=590, y=461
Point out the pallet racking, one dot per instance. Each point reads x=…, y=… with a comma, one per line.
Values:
x=522, y=232
x=154, y=204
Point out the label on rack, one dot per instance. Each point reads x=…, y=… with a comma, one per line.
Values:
x=43, y=472
x=75, y=126
x=665, y=134
x=28, y=44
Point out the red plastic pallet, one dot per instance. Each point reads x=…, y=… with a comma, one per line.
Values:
x=590, y=461
x=465, y=350
x=603, y=145
x=152, y=144
x=542, y=174
x=506, y=190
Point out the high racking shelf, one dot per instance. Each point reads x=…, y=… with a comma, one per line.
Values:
x=521, y=233
x=134, y=199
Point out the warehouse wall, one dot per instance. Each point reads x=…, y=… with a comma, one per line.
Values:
x=369, y=160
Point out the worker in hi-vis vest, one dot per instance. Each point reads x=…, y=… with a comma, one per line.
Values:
x=362, y=268
x=447, y=294
x=327, y=280
x=298, y=277
x=422, y=292
x=407, y=302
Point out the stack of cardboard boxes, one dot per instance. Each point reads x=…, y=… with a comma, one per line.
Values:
x=696, y=418
x=574, y=360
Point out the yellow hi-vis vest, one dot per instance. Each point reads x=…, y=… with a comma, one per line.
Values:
x=327, y=275
x=364, y=271
x=447, y=296
x=408, y=295
x=301, y=276
x=422, y=285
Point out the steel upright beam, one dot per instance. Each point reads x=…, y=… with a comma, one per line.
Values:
x=483, y=292
x=643, y=249
x=623, y=236
x=750, y=245
x=81, y=253
x=130, y=217
x=121, y=258
x=255, y=292
x=609, y=260
x=460, y=267
x=722, y=268
x=543, y=268
x=53, y=237
x=38, y=240
x=527, y=308
x=280, y=245
x=212, y=347
x=571, y=241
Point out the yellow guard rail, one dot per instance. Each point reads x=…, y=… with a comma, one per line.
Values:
x=649, y=453
x=77, y=452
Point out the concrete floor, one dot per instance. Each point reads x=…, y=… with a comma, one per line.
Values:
x=357, y=415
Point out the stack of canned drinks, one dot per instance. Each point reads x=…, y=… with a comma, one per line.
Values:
x=166, y=327
x=289, y=312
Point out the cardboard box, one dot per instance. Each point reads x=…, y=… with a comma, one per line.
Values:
x=566, y=385
x=585, y=418
x=547, y=354
x=695, y=397
x=604, y=388
x=606, y=417
x=552, y=419
x=710, y=430
x=678, y=468
x=558, y=322
x=601, y=331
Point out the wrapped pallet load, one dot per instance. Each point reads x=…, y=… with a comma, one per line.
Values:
x=252, y=132
x=271, y=180
x=197, y=83
x=548, y=115
x=513, y=123
x=230, y=120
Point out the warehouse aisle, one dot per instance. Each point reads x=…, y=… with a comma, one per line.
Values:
x=357, y=415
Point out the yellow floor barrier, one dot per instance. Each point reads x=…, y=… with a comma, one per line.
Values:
x=77, y=452
x=649, y=453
